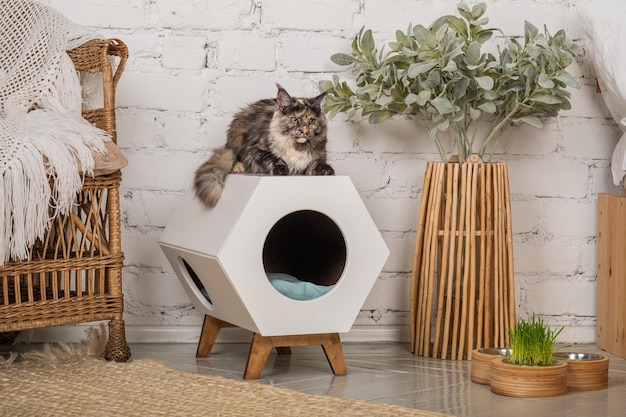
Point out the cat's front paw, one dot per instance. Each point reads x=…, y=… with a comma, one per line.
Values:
x=238, y=168
x=280, y=169
x=323, y=169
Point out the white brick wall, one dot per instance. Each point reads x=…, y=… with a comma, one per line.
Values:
x=194, y=62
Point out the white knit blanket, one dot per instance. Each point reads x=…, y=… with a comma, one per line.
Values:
x=42, y=133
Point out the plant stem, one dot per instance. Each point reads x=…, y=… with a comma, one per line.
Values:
x=497, y=129
x=435, y=138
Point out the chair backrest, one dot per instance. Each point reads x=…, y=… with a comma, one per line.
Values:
x=95, y=57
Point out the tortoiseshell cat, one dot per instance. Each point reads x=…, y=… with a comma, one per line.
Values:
x=281, y=136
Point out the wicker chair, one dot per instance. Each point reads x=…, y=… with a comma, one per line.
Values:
x=74, y=274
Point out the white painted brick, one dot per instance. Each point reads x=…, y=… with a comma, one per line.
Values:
x=396, y=215
x=341, y=136
x=246, y=52
x=386, y=16
x=142, y=250
x=150, y=208
x=366, y=174
x=525, y=216
x=162, y=91
x=578, y=333
x=184, y=52
x=209, y=15
x=390, y=294
x=562, y=260
x=407, y=174
x=142, y=46
x=400, y=255
x=310, y=53
x=157, y=289
x=396, y=136
x=233, y=93
x=191, y=134
x=603, y=182
x=171, y=171
x=309, y=15
x=590, y=138
x=186, y=77
x=589, y=258
x=569, y=218
x=138, y=129
x=128, y=14
x=544, y=298
x=548, y=178
x=529, y=140
x=587, y=102
x=510, y=17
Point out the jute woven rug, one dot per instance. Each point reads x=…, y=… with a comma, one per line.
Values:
x=70, y=381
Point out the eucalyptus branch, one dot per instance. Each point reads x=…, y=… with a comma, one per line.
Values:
x=440, y=76
x=497, y=128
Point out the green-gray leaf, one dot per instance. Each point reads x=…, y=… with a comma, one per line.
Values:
x=479, y=10
x=422, y=35
x=488, y=107
x=545, y=82
x=380, y=116
x=567, y=79
x=530, y=32
x=325, y=85
x=531, y=120
x=410, y=99
x=423, y=97
x=485, y=82
x=442, y=105
x=342, y=59
x=443, y=126
x=421, y=67
x=472, y=54
x=367, y=43
x=546, y=99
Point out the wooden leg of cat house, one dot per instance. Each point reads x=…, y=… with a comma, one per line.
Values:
x=210, y=328
x=262, y=346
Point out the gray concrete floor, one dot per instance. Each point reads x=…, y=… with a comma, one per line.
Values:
x=390, y=373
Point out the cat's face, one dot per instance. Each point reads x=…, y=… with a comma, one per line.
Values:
x=301, y=118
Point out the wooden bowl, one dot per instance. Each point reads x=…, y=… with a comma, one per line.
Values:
x=585, y=371
x=481, y=363
x=528, y=381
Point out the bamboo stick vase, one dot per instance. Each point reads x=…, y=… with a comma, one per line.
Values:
x=585, y=371
x=528, y=381
x=462, y=289
x=481, y=363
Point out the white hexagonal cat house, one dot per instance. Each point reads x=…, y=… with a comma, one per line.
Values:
x=312, y=228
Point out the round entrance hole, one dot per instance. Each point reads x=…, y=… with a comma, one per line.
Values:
x=307, y=249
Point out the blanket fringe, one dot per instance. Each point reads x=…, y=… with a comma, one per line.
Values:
x=92, y=347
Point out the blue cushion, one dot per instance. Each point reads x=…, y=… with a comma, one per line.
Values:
x=292, y=287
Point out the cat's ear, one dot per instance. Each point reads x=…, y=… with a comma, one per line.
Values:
x=283, y=99
x=317, y=101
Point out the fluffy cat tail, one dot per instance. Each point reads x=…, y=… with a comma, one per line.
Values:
x=210, y=176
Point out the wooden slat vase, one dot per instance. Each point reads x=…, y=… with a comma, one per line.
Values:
x=462, y=290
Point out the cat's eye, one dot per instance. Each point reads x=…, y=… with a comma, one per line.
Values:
x=294, y=120
x=312, y=121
